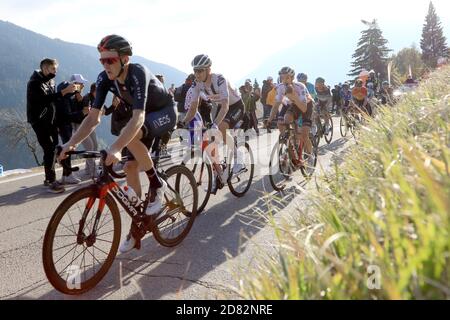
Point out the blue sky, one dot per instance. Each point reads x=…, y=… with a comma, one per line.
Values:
x=239, y=35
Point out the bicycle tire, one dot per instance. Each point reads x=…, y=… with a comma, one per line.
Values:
x=159, y=227
x=343, y=126
x=249, y=183
x=329, y=138
x=49, y=239
x=276, y=152
x=203, y=201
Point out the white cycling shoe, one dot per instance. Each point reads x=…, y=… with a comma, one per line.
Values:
x=128, y=244
x=156, y=206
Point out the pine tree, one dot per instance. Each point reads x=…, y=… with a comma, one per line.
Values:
x=372, y=52
x=433, y=43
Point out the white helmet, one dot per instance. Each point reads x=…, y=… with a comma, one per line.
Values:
x=201, y=61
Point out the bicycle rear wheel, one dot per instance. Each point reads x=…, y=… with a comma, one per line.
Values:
x=74, y=262
x=240, y=182
x=179, y=209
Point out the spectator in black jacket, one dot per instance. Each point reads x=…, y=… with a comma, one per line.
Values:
x=41, y=97
x=180, y=95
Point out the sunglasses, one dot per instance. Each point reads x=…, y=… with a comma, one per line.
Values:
x=108, y=61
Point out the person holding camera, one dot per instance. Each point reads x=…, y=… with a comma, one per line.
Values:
x=41, y=110
x=69, y=114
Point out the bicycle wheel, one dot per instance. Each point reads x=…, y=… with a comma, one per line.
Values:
x=310, y=162
x=74, y=262
x=240, y=171
x=179, y=209
x=316, y=130
x=203, y=176
x=279, y=166
x=343, y=126
x=329, y=136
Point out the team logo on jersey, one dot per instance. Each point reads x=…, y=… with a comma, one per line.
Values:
x=220, y=80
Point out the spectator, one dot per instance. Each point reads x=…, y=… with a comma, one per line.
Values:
x=172, y=89
x=336, y=99
x=271, y=96
x=180, y=95
x=387, y=94
x=41, y=98
x=373, y=79
x=160, y=77
x=90, y=143
x=250, y=97
x=266, y=88
x=410, y=80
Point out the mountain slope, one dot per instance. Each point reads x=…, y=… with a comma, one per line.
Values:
x=21, y=51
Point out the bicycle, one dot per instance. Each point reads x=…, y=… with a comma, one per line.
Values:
x=287, y=158
x=238, y=183
x=318, y=129
x=169, y=228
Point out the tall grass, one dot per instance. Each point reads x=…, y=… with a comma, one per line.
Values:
x=382, y=217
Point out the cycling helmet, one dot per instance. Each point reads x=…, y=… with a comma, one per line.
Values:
x=302, y=77
x=287, y=70
x=346, y=85
x=385, y=83
x=201, y=61
x=115, y=43
x=320, y=80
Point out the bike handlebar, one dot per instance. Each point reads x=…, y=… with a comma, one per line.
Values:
x=91, y=155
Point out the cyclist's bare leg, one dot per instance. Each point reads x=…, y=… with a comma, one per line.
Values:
x=143, y=162
x=131, y=168
x=304, y=138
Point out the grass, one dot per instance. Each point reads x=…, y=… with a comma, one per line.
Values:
x=382, y=218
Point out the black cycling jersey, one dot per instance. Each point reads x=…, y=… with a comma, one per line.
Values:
x=142, y=90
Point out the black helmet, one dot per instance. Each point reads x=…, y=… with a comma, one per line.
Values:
x=201, y=61
x=115, y=43
x=287, y=70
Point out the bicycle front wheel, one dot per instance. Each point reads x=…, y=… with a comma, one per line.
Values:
x=179, y=208
x=81, y=241
x=343, y=126
x=329, y=135
x=279, y=166
x=241, y=171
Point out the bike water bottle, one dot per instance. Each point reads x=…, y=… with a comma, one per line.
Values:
x=1, y=170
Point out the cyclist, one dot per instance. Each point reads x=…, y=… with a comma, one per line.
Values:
x=153, y=115
x=324, y=102
x=303, y=78
x=346, y=96
x=360, y=96
x=217, y=89
x=299, y=105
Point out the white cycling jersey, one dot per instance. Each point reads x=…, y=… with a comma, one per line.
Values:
x=219, y=90
x=190, y=98
x=298, y=87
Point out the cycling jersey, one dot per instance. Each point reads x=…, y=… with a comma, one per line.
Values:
x=218, y=91
x=299, y=88
x=324, y=95
x=311, y=90
x=142, y=90
x=359, y=93
x=290, y=107
x=346, y=97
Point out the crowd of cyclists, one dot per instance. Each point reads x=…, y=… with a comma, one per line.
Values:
x=212, y=115
x=292, y=101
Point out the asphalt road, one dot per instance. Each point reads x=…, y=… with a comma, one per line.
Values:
x=222, y=244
